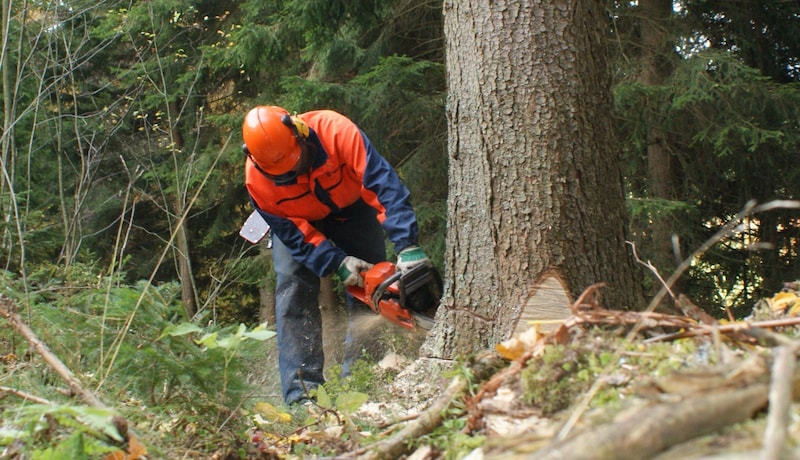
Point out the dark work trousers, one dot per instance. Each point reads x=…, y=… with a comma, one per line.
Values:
x=357, y=232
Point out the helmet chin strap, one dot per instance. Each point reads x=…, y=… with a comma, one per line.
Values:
x=307, y=156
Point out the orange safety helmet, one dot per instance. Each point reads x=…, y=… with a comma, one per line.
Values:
x=271, y=137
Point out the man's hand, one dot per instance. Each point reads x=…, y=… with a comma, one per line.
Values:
x=350, y=269
x=410, y=257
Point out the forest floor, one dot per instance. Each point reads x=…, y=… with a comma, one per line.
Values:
x=605, y=385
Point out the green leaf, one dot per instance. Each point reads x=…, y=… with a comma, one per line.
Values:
x=8, y=435
x=260, y=335
x=229, y=342
x=323, y=399
x=180, y=329
x=209, y=341
x=350, y=402
x=100, y=420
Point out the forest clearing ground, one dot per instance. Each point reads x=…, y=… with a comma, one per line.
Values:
x=653, y=385
x=516, y=405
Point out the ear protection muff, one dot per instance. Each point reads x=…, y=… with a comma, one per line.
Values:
x=298, y=126
x=301, y=127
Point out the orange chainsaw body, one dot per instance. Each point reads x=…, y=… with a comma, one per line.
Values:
x=407, y=299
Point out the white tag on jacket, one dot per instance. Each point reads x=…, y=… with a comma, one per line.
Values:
x=255, y=228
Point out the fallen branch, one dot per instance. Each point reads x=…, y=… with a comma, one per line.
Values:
x=655, y=428
x=23, y=395
x=397, y=445
x=780, y=402
x=731, y=328
x=390, y=425
x=9, y=311
x=586, y=311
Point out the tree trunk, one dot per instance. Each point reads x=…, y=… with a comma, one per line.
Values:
x=266, y=291
x=661, y=168
x=334, y=322
x=536, y=190
x=182, y=254
x=185, y=273
x=8, y=123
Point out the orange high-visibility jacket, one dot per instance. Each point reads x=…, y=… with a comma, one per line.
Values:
x=347, y=167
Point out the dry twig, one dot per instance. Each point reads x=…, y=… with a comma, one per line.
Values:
x=23, y=395
x=9, y=312
x=397, y=445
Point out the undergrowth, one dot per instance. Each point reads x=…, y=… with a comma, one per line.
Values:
x=187, y=388
x=553, y=380
x=180, y=383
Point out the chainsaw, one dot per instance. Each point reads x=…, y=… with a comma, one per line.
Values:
x=407, y=299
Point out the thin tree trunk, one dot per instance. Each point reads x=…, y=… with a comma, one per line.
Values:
x=188, y=294
x=661, y=168
x=7, y=138
x=334, y=321
x=8, y=91
x=182, y=252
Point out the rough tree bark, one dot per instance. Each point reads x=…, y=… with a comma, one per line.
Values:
x=536, y=191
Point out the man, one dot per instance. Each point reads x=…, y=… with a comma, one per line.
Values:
x=329, y=197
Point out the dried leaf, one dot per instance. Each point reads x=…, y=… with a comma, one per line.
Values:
x=516, y=346
x=116, y=455
x=271, y=414
x=782, y=302
x=510, y=349
x=135, y=451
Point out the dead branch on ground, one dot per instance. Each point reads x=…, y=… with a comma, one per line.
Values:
x=397, y=445
x=8, y=311
x=23, y=395
x=654, y=428
x=716, y=411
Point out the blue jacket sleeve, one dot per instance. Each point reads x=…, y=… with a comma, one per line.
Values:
x=393, y=198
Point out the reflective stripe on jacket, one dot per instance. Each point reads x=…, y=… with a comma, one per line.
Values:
x=347, y=167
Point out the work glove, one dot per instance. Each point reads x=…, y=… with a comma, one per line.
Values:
x=410, y=257
x=350, y=269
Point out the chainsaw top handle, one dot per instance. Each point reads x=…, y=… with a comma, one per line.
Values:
x=378, y=293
